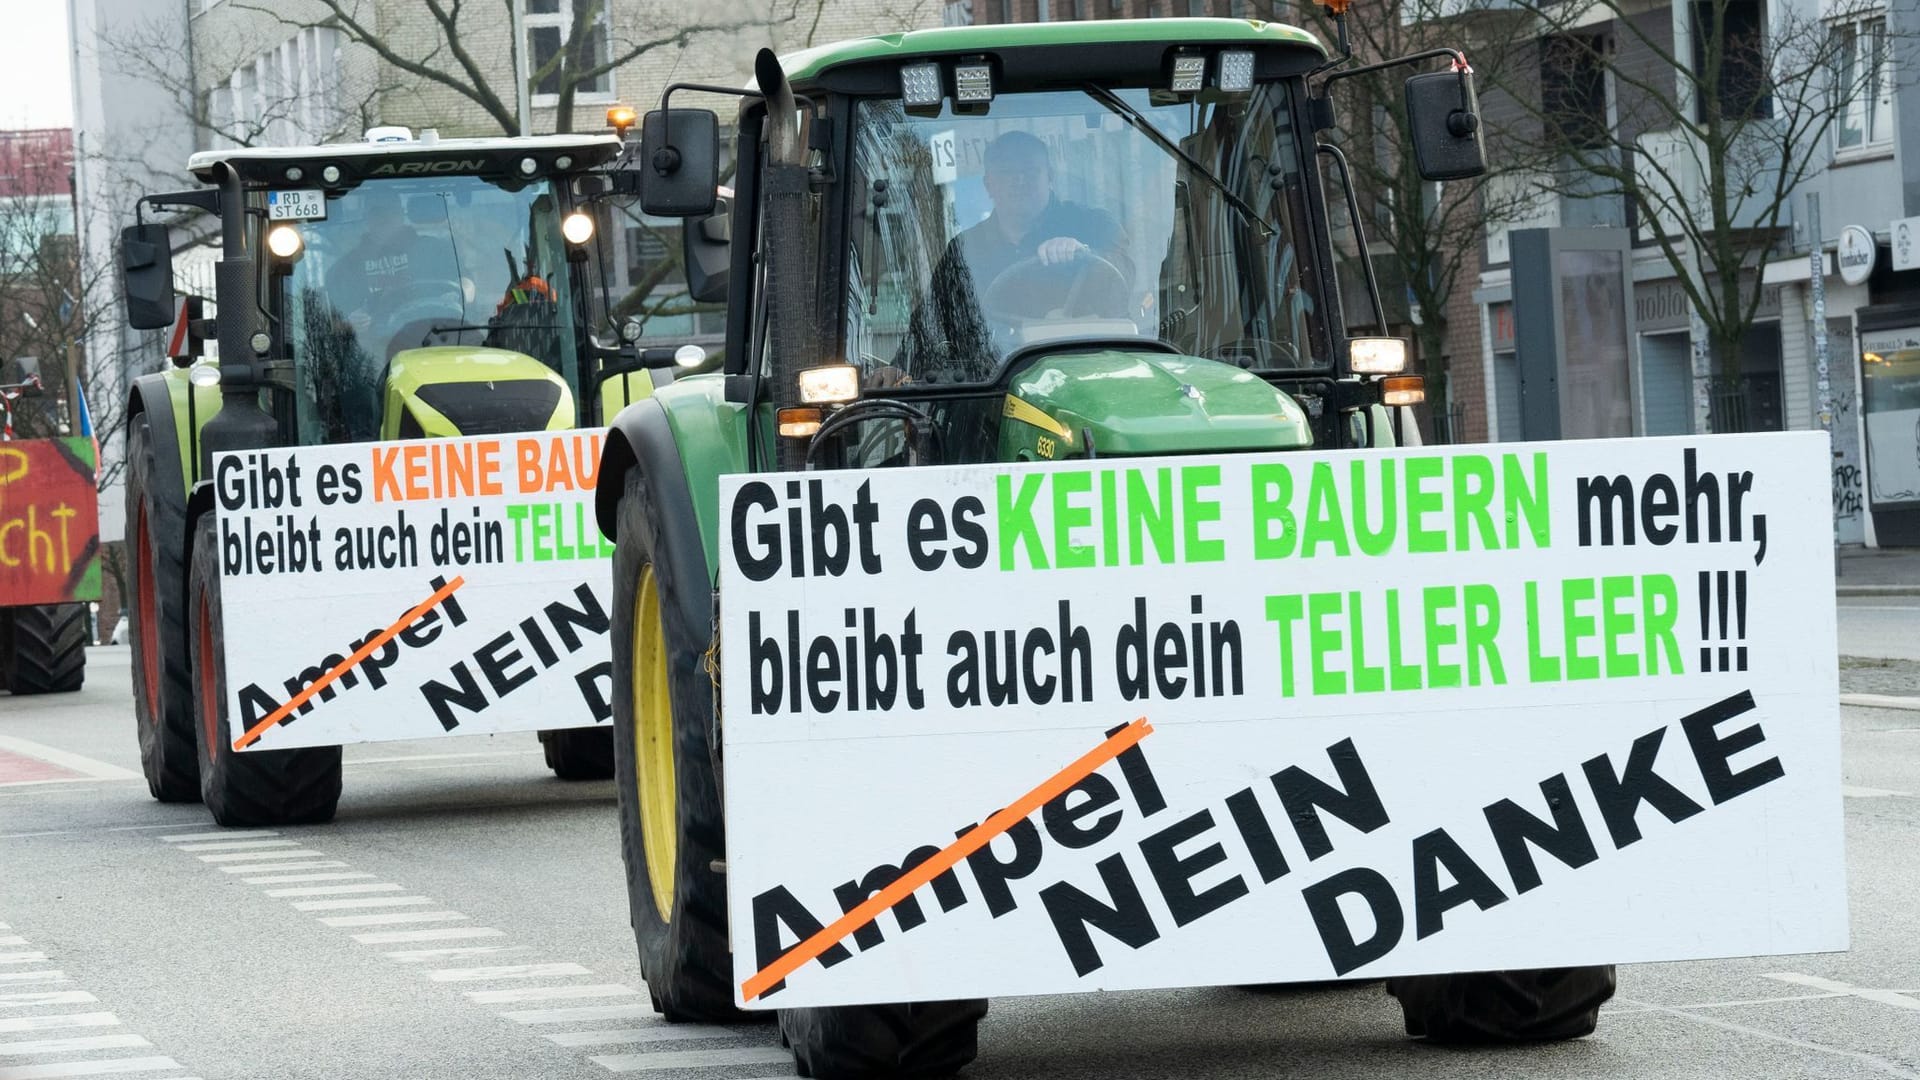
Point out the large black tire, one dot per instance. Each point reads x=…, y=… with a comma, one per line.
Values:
x=1536, y=1005
x=854, y=1042
x=579, y=753
x=45, y=649
x=659, y=573
x=157, y=604
x=261, y=787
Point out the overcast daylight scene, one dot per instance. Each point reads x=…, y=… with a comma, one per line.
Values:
x=1010, y=539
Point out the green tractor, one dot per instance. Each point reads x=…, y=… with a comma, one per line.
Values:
x=397, y=288
x=993, y=244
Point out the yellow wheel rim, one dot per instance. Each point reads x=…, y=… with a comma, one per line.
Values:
x=653, y=745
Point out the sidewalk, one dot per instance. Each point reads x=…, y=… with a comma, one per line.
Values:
x=1879, y=571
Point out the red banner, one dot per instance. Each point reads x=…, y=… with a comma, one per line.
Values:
x=49, y=522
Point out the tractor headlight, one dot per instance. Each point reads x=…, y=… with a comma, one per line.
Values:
x=284, y=241
x=577, y=227
x=1377, y=355
x=973, y=82
x=920, y=86
x=1189, y=73
x=1236, y=71
x=832, y=384
x=689, y=356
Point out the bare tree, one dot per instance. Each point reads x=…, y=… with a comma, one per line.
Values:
x=1707, y=145
x=1428, y=234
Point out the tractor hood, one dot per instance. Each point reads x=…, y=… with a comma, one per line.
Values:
x=452, y=390
x=1145, y=403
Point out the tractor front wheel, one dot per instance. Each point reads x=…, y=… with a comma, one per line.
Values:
x=45, y=648
x=672, y=835
x=579, y=753
x=260, y=787
x=1537, y=1005
x=858, y=1042
x=156, y=576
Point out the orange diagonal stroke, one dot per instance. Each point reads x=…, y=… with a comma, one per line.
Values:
x=253, y=734
x=974, y=840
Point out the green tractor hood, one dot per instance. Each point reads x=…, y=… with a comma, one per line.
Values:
x=1138, y=403
x=451, y=390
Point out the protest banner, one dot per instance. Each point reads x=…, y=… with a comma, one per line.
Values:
x=49, y=522
x=1125, y=723
x=403, y=590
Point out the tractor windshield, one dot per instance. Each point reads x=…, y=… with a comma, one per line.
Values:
x=1095, y=213
x=398, y=264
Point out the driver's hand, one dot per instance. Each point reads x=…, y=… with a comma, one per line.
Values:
x=1061, y=249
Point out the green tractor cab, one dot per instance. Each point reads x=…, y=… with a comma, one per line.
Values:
x=397, y=288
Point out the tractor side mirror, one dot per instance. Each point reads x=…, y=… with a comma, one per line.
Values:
x=146, y=264
x=707, y=247
x=681, y=162
x=1444, y=115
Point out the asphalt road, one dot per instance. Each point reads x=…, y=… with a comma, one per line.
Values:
x=485, y=937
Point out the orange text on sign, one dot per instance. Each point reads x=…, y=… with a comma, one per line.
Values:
x=560, y=464
x=435, y=470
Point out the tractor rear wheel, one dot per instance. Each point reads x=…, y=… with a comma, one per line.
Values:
x=1536, y=1005
x=855, y=1042
x=672, y=834
x=157, y=588
x=579, y=753
x=45, y=649
x=261, y=787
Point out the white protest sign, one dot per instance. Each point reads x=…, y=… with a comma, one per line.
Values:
x=405, y=590
x=1277, y=717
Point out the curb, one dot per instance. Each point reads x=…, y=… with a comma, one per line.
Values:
x=1876, y=590
x=1881, y=701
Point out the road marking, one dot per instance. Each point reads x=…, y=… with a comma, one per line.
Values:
x=506, y=971
x=50, y=997
x=549, y=993
x=256, y=868
x=1747, y=1003
x=1833, y=986
x=661, y=1032
x=86, y=766
x=443, y=757
x=386, y=918
x=12, y=939
x=364, y=902
x=1878, y=1063
x=438, y=933
x=292, y=879
x=259, y=856
x=692, y=1059
x=334, y=890
x=973, y=840
x=570, y=1013
x=87, y=1068
x=236, y=845
x=23, y=958
x=70, y=832
x=58, y=1046
x=449, y=765
x=421, y=956
x=231, y=834
x=1882, y=701
x=1852, y=792
x=366, y=649
x=50, y=1023
x=32, y=976
x=23, y=770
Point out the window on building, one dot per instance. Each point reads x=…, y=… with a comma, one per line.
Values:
x=1861, y=84
x=1740, y=39
x=1042, y=11
x=1079, y=9
x=1197, y=8
x=549, y=25
x=1573, y=90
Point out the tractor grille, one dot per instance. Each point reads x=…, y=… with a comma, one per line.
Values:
x=494, y=408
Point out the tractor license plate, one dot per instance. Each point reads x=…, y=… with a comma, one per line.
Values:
x=303, y=205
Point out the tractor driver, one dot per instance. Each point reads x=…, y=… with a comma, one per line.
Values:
x=1035, y=257
x=394, y=266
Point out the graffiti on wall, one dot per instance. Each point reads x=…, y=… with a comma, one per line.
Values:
x=49, y=522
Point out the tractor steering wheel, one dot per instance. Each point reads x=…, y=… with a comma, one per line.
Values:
x=1021, y=292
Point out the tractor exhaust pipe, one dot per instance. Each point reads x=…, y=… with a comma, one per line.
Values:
x=791, y=339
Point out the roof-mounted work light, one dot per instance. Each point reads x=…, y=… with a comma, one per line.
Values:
x=920, y=86
x=1189, y=73
x=973, y=82
x=1236, y=71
